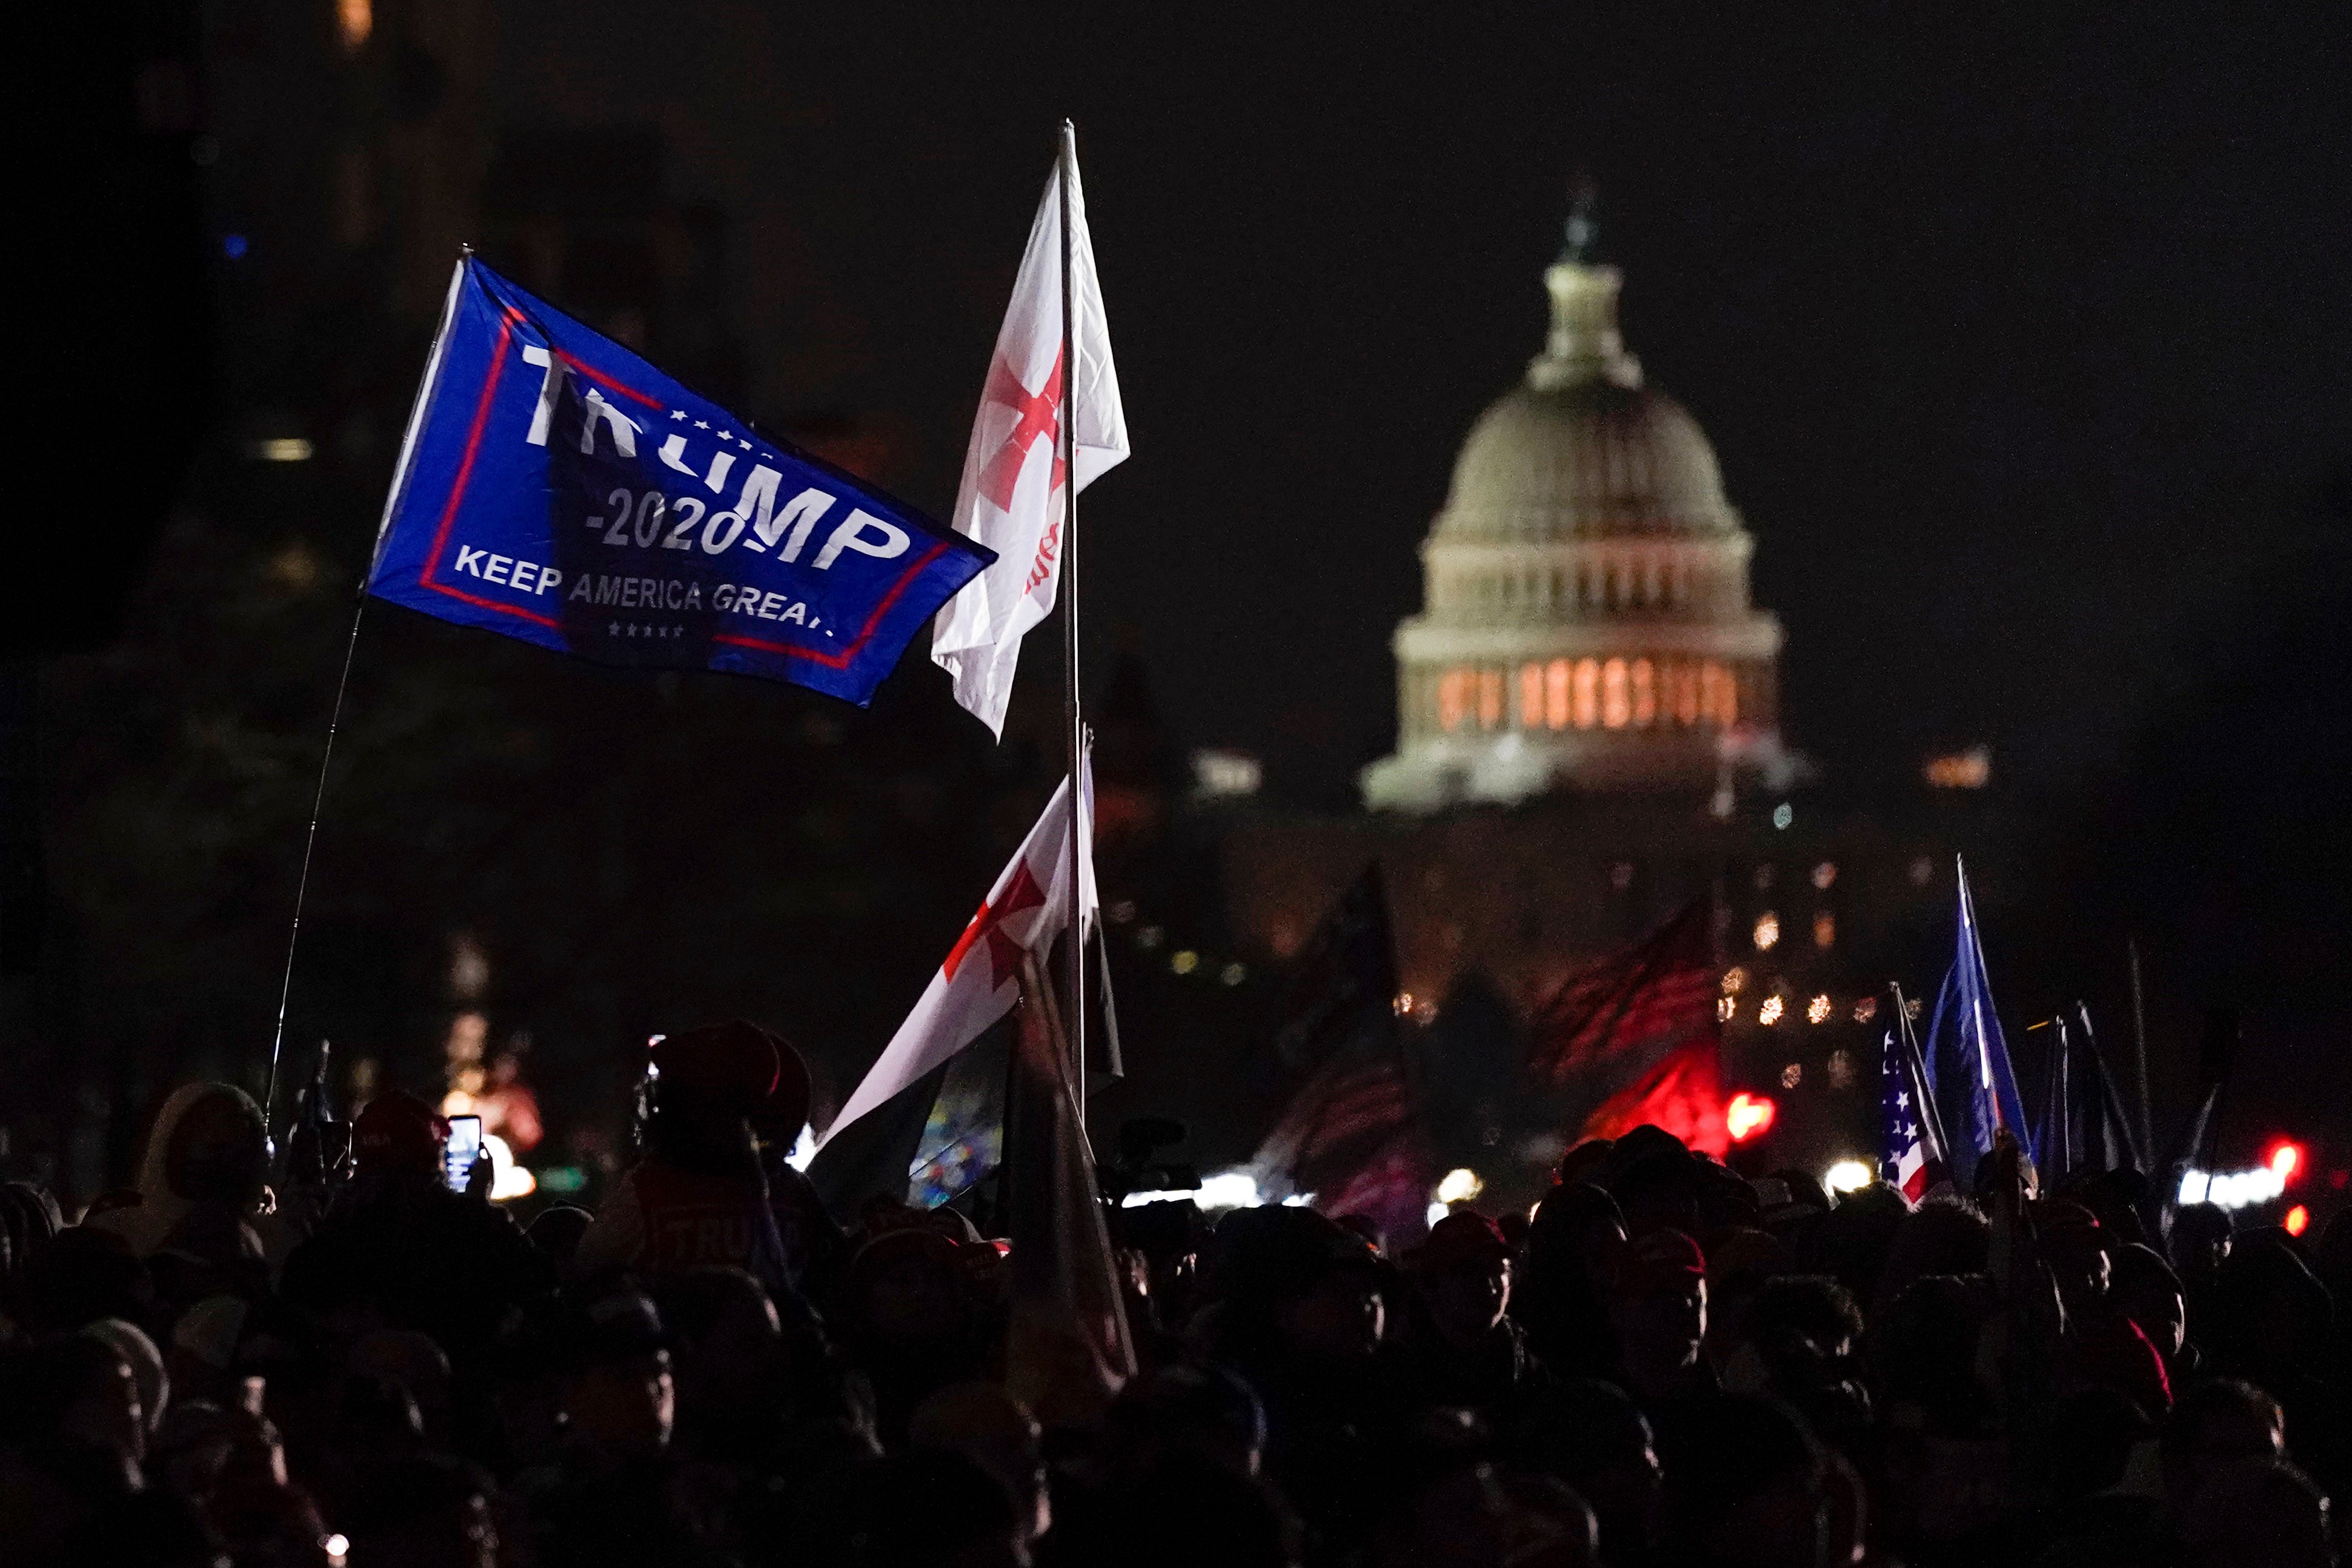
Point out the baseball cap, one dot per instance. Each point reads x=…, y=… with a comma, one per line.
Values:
x=1457, y=1239
x=397, y=1128
x=735, y=1057
x=1661, y=1260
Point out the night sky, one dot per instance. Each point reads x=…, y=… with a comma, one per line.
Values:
x=2024, y=347
x=2025, y=339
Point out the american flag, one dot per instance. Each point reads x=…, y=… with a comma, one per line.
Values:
x=1350, y=1130
x=1632, y=1008
x=1904, y=1161
x=1342, y=1120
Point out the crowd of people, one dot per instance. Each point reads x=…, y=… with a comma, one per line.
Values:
x=344, y=1359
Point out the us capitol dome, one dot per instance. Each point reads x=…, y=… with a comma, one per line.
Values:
x=1586, y=620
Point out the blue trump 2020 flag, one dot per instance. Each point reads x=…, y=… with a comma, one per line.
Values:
x=1966, y=1057
x=557, y=488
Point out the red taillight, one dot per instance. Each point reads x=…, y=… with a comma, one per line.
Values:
x=1748, y=1116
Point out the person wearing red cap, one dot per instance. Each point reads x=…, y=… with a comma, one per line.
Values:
x=1459, y=1346
x=1659, y=1313
x=398, y=1245
x=702, y=1195
x=913, y=1317
x=399, y=1133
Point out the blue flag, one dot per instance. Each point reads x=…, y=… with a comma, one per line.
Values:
x=1968, y=1061
x=555, y=487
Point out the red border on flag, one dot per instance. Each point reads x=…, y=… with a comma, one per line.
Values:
x=507, y=318
x=858, y=643
x=458, y=492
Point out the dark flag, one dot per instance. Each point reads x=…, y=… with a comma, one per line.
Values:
x=927, y=1144
x=1642, y=1027
x=1351, y=1137
x=1067, y=1348
x=2083, y=1126
x=2217, y=1057
x=1345, y=988
x=554, y=487
x=881, y=1154
x=1349, y=1131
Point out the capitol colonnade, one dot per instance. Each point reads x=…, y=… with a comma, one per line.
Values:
x=1642, y=692
x=1586, y=619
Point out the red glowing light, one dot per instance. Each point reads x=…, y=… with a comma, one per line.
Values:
x=1748, y=1115
x=2298, y=1220
x=2286, y=1159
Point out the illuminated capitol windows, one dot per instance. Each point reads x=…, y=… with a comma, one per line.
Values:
x=1590, y=693
x=1589, y=738
x=1586, y=619
x=1588, y=731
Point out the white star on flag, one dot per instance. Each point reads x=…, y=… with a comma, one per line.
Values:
x=1904, y=1158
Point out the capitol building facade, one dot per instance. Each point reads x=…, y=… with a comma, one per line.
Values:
x=1586, y=620
x=1587, y=739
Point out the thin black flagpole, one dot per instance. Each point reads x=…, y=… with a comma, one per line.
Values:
x=2064, y=1133
x=1075, y=1014
x=1930, y=1114
x=2139, y=1053
x=302, y=884
x=351, y=650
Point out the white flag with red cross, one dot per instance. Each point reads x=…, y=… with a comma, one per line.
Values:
x=1025, y=914
x=1013, y=470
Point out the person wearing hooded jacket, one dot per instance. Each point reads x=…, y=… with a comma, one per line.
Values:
x=205, y=1171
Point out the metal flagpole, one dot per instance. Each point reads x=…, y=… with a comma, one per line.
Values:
x=351, y=649
x=1074, y=1016
x=2066, y=1132
x=302, y=884
x=2139, y=1053
x=1931, y=1116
